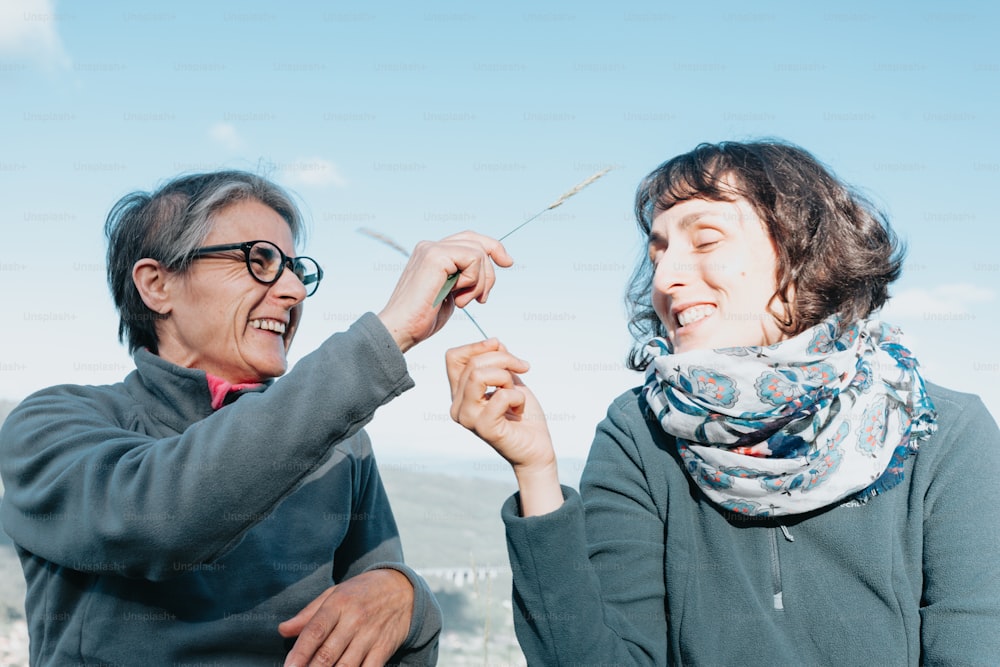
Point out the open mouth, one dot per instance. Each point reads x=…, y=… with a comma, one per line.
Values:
x=269, y=325
x=694, y=314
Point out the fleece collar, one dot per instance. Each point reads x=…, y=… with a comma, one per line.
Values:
x=183, y=396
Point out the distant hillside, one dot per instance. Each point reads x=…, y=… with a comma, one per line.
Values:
x=448, y=521
x=452, y=523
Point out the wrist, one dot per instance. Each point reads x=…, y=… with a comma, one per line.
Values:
x=403, y=341
x=539, y=487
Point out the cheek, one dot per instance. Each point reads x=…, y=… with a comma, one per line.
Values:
x=658, y=298
x=723, y=270
x=660, y=307
x=752, y=264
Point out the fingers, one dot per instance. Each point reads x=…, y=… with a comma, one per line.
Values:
x=457, y=358
x=478, y=366
x=363, y=620
x=413, y=311
x=468, y=256
x=494, y=248
x=294, y=625
x=320, y=640
x=488, y=397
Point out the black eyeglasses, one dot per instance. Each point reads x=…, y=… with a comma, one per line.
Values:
x=265, y=262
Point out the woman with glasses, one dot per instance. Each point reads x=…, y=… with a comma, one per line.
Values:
x=783, y=488
x=197, y=512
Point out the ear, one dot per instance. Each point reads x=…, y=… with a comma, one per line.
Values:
x=152, y=281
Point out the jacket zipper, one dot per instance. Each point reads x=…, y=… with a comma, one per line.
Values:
x=779, y=604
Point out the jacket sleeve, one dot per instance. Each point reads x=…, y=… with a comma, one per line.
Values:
x=588, y=577
x=91, y=491
x=960, y=610
x=372, y=542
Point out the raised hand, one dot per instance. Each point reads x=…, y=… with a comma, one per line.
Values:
x=489, y=399
x=411, y=314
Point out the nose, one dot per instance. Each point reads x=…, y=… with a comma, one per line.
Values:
x=289, y=287
x=671, y=269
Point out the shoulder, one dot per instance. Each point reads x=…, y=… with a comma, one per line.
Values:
x=630, y=430
x=959, y=412
x=71, y=397
x=965, y=438
x=54, y=414
x=623, y=419
x=952, y=398
x=630, y=414
x=629, y=407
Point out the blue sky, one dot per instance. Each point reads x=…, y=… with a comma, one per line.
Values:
x=419, y=120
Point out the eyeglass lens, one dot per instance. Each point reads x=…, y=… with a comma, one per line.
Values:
x=265, y=261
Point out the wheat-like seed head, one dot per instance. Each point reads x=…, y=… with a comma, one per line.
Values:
x=580, y=186
x=384, y=239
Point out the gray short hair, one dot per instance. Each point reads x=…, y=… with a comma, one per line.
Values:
x=168, y=225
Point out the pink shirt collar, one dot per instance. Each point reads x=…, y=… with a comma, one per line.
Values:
x=220, y=388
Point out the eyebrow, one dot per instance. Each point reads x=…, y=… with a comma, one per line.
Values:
x=686, y=222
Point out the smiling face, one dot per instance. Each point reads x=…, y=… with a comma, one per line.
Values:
x=714, y=275
x=220, y=319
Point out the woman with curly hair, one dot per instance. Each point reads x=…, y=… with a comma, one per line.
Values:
x=784, y=487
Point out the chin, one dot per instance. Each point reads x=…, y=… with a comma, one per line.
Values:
x=273, y=373
x=716, y=344
x=269, y=371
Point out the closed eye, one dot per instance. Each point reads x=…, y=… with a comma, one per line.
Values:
x=656, y=246
x=263, y=257
x=706, y=238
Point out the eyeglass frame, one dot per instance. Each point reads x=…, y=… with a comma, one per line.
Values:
x=245, y=246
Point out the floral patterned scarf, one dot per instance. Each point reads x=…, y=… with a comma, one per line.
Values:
x=796, y=426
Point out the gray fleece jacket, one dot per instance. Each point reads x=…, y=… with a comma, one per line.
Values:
x=647, y=571
x=155, y=531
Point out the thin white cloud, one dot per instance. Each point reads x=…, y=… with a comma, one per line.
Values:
x=939, y=302
x=28, y=32
x=225, y=134
x=313, y=172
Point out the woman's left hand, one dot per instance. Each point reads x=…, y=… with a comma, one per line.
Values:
x=362, y=621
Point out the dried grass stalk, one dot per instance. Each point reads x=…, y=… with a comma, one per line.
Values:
x=384, y=239
x=566, y=195
x=576, y=188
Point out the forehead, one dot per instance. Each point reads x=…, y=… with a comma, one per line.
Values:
x=686, y=214
x=250, y=220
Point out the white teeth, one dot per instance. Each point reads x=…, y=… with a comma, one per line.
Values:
x=269, y=325
x=694, y=314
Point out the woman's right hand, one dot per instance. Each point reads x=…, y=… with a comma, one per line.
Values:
x=489, y=399
x=412, y=313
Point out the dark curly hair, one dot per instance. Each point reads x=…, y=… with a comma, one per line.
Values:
x=836, y=251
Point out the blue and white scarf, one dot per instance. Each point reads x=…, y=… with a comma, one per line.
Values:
x=796, y=426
